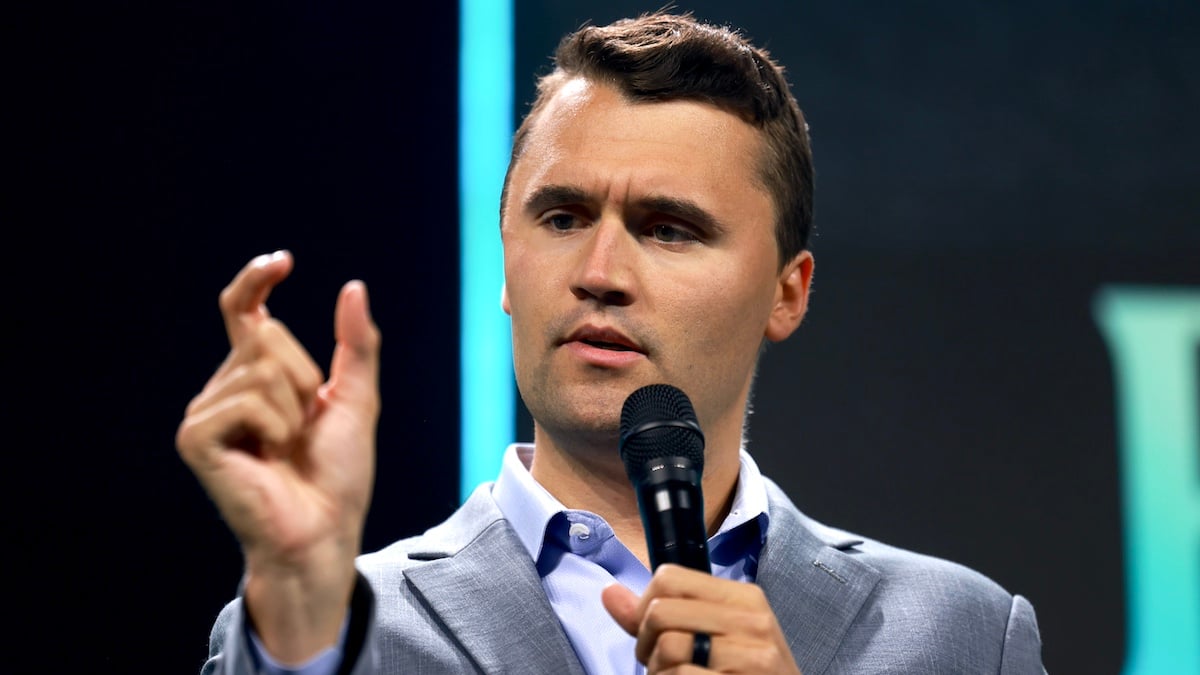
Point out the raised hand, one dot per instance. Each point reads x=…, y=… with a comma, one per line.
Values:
x=289, y=458
x=679, y=602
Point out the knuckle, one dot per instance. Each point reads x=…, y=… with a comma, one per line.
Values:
x=264, y=372
x=778, y=656
x=665, y=579
x=257, y=337
x=192, y=408
x=270, y=330
x=227, y=299
x=676, y=646
x=668, y=572
x=252, y=402
x=760, y=624
x=652, y=618
x=250, y=340
x=190, y=434
x=658, y=660
x=183, y=437
x=310, y=378
x=764, y=659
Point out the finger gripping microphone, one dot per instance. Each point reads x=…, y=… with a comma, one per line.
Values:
x=663, y=451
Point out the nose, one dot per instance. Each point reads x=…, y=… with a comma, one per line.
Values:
x=606, y=266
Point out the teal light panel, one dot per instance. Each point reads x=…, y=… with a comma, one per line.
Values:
x=488, y=404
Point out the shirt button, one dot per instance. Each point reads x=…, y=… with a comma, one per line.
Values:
x=579, y=530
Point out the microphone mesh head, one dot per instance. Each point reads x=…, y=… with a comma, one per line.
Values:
x=658, y=421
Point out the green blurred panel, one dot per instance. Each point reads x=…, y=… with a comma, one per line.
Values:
x=1153, y=334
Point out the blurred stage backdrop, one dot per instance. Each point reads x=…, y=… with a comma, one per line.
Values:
x=1000, y=363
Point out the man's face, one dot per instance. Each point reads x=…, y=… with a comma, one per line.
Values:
x=639, y=248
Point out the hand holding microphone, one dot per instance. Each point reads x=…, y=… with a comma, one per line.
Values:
x=686, y=617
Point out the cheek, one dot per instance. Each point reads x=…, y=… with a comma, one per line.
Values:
x=724, y=314
x=526, y=289
x=516, y=275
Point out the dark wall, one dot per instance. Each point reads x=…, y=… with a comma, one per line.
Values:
x=163, y=146
x=982, y=170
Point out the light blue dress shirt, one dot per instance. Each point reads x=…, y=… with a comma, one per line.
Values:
x=577, y=556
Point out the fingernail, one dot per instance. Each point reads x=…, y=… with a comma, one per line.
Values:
x=268, y=258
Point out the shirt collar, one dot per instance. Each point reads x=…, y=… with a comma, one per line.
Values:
x=526, y=505
x=529, y=508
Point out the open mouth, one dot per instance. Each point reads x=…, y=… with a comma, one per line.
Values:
x=611, y=346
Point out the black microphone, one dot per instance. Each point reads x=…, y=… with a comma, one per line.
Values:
x=663, y=451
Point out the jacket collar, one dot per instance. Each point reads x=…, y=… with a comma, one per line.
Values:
x=482, y=585
x=814, y=580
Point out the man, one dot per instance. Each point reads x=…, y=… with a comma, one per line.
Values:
x=657, y=206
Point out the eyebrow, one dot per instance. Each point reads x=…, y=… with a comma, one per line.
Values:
x=684, y=209
x=550, y=196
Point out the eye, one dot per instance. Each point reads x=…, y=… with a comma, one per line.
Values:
x=562, y=221
x=671, y=234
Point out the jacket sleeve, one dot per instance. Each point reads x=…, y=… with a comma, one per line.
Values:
x=231, y=653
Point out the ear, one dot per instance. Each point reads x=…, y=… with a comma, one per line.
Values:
x=791, y=297
x=504, y=304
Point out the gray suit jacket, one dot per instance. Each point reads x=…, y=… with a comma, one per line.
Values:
x=465, y=597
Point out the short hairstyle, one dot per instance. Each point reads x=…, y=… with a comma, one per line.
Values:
x=661, y=57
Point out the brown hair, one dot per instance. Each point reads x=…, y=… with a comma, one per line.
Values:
x=659, y=57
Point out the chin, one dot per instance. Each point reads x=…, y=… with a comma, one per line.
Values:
x=587, y=414
x=590, y=406
x=589, y=422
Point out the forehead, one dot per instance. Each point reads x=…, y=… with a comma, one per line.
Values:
x=590, y=136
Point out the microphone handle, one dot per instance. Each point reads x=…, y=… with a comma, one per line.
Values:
x=672, y=508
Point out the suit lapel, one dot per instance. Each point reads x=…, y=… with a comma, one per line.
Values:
x=483, y=587
x=815, y=588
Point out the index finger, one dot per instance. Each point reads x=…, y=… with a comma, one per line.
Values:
x=675, y=581
x=245, y=297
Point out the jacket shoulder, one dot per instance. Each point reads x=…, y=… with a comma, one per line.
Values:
x=931, y=614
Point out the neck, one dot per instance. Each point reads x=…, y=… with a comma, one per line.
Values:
x=591, y=477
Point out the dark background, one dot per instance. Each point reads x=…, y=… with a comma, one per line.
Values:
x=983, y=169
x=169, y=143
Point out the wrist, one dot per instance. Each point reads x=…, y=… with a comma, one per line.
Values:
x=298, y=607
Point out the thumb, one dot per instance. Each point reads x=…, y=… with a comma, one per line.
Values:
x=622, y=604
x=354, y=373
